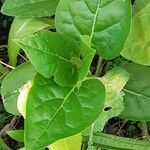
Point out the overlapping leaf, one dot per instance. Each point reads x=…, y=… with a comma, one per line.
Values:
x=70, y=143
x=23, y=27
x=30, y=8
x=138, y=5
x=57, y=112
x=12, y=83
x=114, y=82
x=137, y=47
x=58, y=55
x=17, y=135
x=106, y=22
x=137, y=93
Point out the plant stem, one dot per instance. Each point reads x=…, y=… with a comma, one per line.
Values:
x=7, y=65
x=6, y=128
x=145, y=130
x=97, y=73
x=3, y=46
x=9, y=126
x=90, y=142
x=98, y=69
x=3, y=146
x=83, y=146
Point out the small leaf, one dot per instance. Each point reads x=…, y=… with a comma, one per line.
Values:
x=12, y=83
x=137, y=93
x=106, y=22
x=23, y=27
x=114, y=82
x=57, y=112
x=29, y=8
x=137, y=47
x=17, y=135
x=58, y=55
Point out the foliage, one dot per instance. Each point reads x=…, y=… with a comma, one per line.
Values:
x=65, y=98
x=23, y=27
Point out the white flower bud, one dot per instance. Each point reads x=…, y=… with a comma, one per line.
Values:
x=22, y=98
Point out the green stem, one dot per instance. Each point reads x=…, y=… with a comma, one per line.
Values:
x=3, y=146
x=90, y=142
x=113, y=142
x=145, y=130
x=97, y=73
x=99, y=68
x=83, y=146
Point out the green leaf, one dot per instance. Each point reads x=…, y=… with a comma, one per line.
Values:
x=137, y=95
x=12, y=83
x=58, y=55
x=23, y=27
x=57, y=112
x=138, y=5
x=29, y=8
x=137, y=47
x=111, y=142
x=114, y=82
x=70, y=143
x=17, y=135
x=106, y=22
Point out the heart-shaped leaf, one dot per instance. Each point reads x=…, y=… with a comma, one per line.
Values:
x=137, y=47
x=58, y=55
x=106, y=22
x=57, y=112
x=12, y=83
x=29, y=8
x=137, y=93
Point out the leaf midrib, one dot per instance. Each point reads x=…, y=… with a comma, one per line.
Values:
x=47, y=52
x=95, y=17
x=55, y=113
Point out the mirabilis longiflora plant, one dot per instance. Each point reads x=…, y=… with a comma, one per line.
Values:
x=64, y=99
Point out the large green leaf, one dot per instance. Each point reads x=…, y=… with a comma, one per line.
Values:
x=114, y=82
x=29, y=8
x=106, y=22
x=57, y=112
x=137, y=47
x=137, y=93
x=12, y=83
x=23, y=27
x=58, y=55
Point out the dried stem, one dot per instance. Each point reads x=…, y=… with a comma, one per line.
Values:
x=7, y=65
